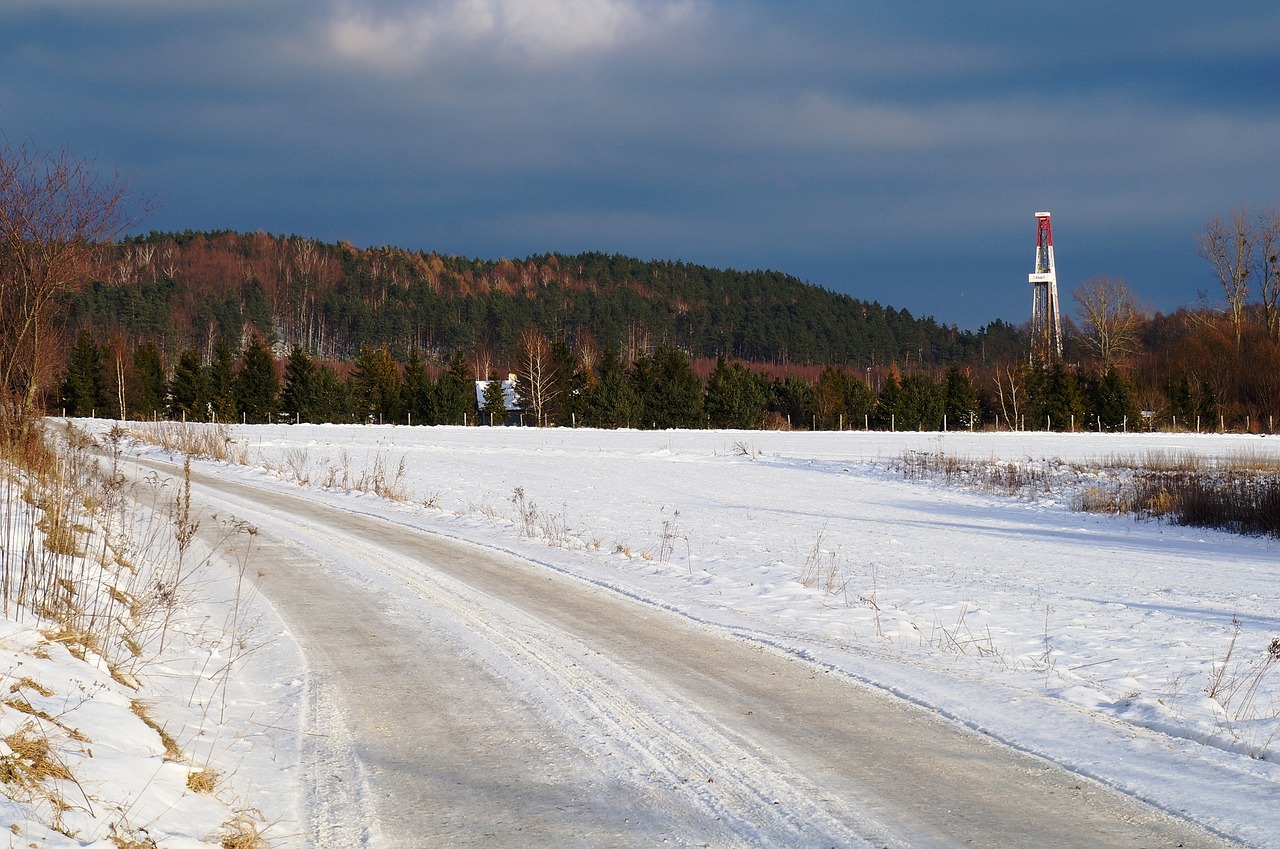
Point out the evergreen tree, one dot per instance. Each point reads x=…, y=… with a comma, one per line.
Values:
x=83, y=387
x=1181, y=401
x=921, y=404
x=1055, y=399
x=188, y=389
x=859, y=401
x=299, y=399
x=670, y=393
x=612, y=401
x=257, y=389
x=494, y=402
x=220, y=378
x=841, y=400
x=145, y=393
x=736, y=396
x=960, y=400
x=1112, y=402
x=376, y=384
x=1207, y=407
x=256, y=310
x=885, y=415
x=418, y=392
x=333, y=397
x=793, y=400
x=455, y=393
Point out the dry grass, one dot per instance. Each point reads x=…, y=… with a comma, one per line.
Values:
x=203, y=780
x=245, y=831
x=172, y=752
x=126, y=837
x=1239, y=493
x=28, y=683
x=31, y=761
x=205, y=441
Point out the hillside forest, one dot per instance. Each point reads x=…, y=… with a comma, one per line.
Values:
x=254, y=327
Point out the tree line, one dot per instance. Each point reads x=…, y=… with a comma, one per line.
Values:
x=558, y=385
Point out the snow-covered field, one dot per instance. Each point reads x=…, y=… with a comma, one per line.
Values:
x=1095, y=641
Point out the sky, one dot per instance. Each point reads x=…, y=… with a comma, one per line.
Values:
x=893, y=151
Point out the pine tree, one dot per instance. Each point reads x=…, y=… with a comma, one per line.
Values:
x=494, y=402
x=1112, y=402
x=188, y=389
x=793, y=399
x=333, y=397
x=376, y=383
x=257, y=389
x=921, y=404
x=736, y=396
x=456, y=393
x=960, y=404
x=145, y=394
x=612, y=402
x=220, y=378
x=83, y=388
x=418, y=392
x=298, y=399
x=670, y=393
x=888, y=401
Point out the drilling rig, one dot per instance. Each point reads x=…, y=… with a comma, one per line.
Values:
x=1046, y=326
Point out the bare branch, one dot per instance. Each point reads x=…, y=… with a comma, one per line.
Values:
x=1267, y=266
x=1110, y=316
x=1229, y=248
x=56, y=212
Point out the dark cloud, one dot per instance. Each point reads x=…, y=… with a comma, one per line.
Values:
x=894, y=151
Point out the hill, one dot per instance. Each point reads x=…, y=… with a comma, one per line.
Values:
x=188, y=289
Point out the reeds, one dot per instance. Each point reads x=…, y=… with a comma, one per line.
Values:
x=1239, y=493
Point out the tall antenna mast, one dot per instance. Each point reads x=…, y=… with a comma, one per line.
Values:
x=1046, y=327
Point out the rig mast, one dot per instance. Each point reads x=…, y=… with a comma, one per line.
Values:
x=1046, y=327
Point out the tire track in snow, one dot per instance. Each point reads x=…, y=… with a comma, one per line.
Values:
x=627, y=725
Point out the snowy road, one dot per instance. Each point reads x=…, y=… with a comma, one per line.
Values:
x=463, y=697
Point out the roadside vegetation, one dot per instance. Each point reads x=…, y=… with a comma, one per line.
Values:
x=1239, y=494
x=98, y=572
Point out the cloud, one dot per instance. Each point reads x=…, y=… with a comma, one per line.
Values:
x=540, y=31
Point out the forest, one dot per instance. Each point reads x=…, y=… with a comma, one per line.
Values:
x=254, y=327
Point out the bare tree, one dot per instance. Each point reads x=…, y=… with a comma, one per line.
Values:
x=537, y=381
x=55, y=215
x=1110, y=315
x=1009, y=385
x=1268, y=269
x=1229, y=248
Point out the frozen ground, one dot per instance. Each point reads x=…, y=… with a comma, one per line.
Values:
x=1092, y=641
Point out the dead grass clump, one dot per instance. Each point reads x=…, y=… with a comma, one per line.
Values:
x=127, y=837
x=383, y=481
x=171, y=750
x=194, y=439
x=204, y=780
x=79, y=642
x=243, y=832
x=61, y=534
x=997, y=477
x=31, y=760
x=28, y=683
